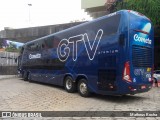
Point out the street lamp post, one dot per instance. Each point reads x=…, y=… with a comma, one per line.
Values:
x=29, y=14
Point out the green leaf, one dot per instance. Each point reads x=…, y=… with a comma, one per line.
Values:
x=150, y=8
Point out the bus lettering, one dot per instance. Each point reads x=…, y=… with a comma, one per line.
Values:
x=34, y=56
x=141, y=39
x=63, y=51
x=91, y=49
x=74, y=40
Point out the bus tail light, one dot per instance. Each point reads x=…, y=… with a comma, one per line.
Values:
x=126, y=72
x=152, y=71
x=131, y=88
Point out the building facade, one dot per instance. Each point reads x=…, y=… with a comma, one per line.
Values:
x=97, y=8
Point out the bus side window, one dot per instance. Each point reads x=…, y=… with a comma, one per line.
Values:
x=49, y=42
x=22, y=49
x=33, y=47
x=38, y=47
x=28, y=47
x=121, y=39
x=43, y=46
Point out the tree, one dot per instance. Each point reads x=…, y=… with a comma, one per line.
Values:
x=150, y=8
x=12, y=47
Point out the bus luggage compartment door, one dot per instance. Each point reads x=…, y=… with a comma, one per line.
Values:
x=107, y=73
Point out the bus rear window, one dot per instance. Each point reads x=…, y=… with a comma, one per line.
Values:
x=140, y=24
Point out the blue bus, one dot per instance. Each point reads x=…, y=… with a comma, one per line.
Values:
x=111, y=55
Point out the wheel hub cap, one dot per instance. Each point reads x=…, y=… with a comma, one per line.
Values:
x=68, y=84
x=83, y=88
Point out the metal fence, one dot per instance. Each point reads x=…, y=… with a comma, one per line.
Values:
x=8, y=59
x=8, y=63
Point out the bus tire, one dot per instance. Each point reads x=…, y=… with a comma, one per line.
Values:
x=25, y=76
x=29, y=77
x=69, y=85
x=83, y=88
x=155, y=82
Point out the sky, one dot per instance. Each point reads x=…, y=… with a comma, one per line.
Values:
x=18, y=14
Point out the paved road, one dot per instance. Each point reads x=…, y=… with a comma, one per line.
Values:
x=19, y=95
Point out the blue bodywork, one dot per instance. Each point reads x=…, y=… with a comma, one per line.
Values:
x=95, y=51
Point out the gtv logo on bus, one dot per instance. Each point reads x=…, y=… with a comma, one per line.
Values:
x=63, y=50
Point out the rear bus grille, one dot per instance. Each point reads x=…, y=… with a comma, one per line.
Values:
x=106, y=80
x=141, y=56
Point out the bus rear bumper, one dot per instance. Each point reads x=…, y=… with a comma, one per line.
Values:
x=139, y=88
x=128, y=89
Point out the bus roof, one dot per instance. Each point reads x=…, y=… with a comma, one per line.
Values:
x=83, y=24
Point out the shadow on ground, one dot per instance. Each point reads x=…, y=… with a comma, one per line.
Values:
x=112, y=98
x=119, y=99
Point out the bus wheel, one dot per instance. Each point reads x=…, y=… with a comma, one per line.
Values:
x=25, y=76
x=29, y=77
x=155, y=82
x=83, y=88
x=69, y=85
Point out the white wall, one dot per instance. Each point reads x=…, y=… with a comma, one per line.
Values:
x=92, y=3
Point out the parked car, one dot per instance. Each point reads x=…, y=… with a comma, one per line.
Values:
x=156, y=76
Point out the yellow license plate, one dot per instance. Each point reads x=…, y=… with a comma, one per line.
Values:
x=148, y=69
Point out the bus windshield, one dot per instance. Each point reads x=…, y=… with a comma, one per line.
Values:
x=140, y=29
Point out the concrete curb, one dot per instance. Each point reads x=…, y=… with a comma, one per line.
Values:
x=7, y=76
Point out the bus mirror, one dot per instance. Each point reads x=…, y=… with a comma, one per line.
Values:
x=121, y=39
